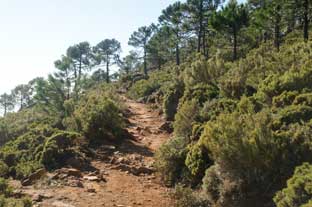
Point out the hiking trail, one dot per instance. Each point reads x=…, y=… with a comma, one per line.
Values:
x=128, y=176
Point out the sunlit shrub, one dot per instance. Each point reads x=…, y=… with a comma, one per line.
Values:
x=170, y=160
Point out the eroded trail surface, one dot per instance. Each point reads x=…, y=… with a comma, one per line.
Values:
x=124, y=178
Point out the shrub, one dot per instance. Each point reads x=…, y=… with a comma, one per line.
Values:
x=293, y=114
x=212, y=109
x=201, y=93
x=221, y=190
x=186, y=197
x=285, y=99
x=4, y=188
x=41, y=147
x=171, y=100
x=98, y=118
x=14, y=125
x=184, y=119
x=170, y=160
x=4, y=169
x=157, y=80
x=7, y=199
x=61, y=147
x=197, y=161
x=204, y=72
x=298, y=192
x=142, y=88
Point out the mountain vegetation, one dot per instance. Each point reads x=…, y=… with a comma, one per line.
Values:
x=232, y=79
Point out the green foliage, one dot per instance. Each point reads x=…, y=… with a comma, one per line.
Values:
x=61, y=147
x=171, y=100
x=4, y=169
x=212, y=109
x=157, y=81
x=243, y=145
x=202, y=71
x=170, y=160
x=41, y=146
x=221, y=190
x=197, y=161
x=298, y=192
x=97, y=117
x=143, y=88
x=201, y=93
x=186, y=197
x=184, y=119
x=7, y=199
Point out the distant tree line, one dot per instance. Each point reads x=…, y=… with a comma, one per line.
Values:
x=183, y=29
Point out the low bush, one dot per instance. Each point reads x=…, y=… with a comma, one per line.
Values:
x=157, y=81
x=42, y=146
x=7, y=199
x=197, y=161
x=187, y=115
x=221, y=190
x=201, y=93
x=98, y=118
x=186, y=197
x=298, y=192
x=4, y=169
x=171, y=100
x=170, y=160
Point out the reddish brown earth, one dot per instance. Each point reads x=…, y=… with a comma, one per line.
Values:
x=130, y=179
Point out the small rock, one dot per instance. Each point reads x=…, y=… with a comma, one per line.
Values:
x=40, y=197
x=75, y=183
x=92, y=178
x=109, y=147
x=91, y=190
x=34, y=177
x=66, y=172
x=167, y=126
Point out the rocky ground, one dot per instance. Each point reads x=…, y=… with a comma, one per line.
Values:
x=123, y=175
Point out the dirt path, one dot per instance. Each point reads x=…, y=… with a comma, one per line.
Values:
x=129, y=177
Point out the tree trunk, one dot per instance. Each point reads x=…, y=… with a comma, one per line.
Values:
x=5, y=109
x=235, y=43
x=306, y=20
x=206, y=54
x=159, y=62
x=80, y=68
x=145, y=62
x=21, y=102
x=177, y=54
x=200, y=32
x=107, y=70
x=277, y=28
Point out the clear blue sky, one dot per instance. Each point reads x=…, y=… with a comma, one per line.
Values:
x=34, y=33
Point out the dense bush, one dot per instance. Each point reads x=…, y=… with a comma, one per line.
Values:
x=14, y=125
x=201, y=93
x=42, y=146
x=61, y=147
x=6, y=197
x=298, y=192
x=187, y=115
x=97, y=117
x=171, y=100
x=170, y=160
x=186, y=197
x=197, y=161
x=222, y=190
x=157, y=81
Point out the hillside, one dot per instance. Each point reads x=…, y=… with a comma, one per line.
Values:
x=121, y=174
x=213, y=108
